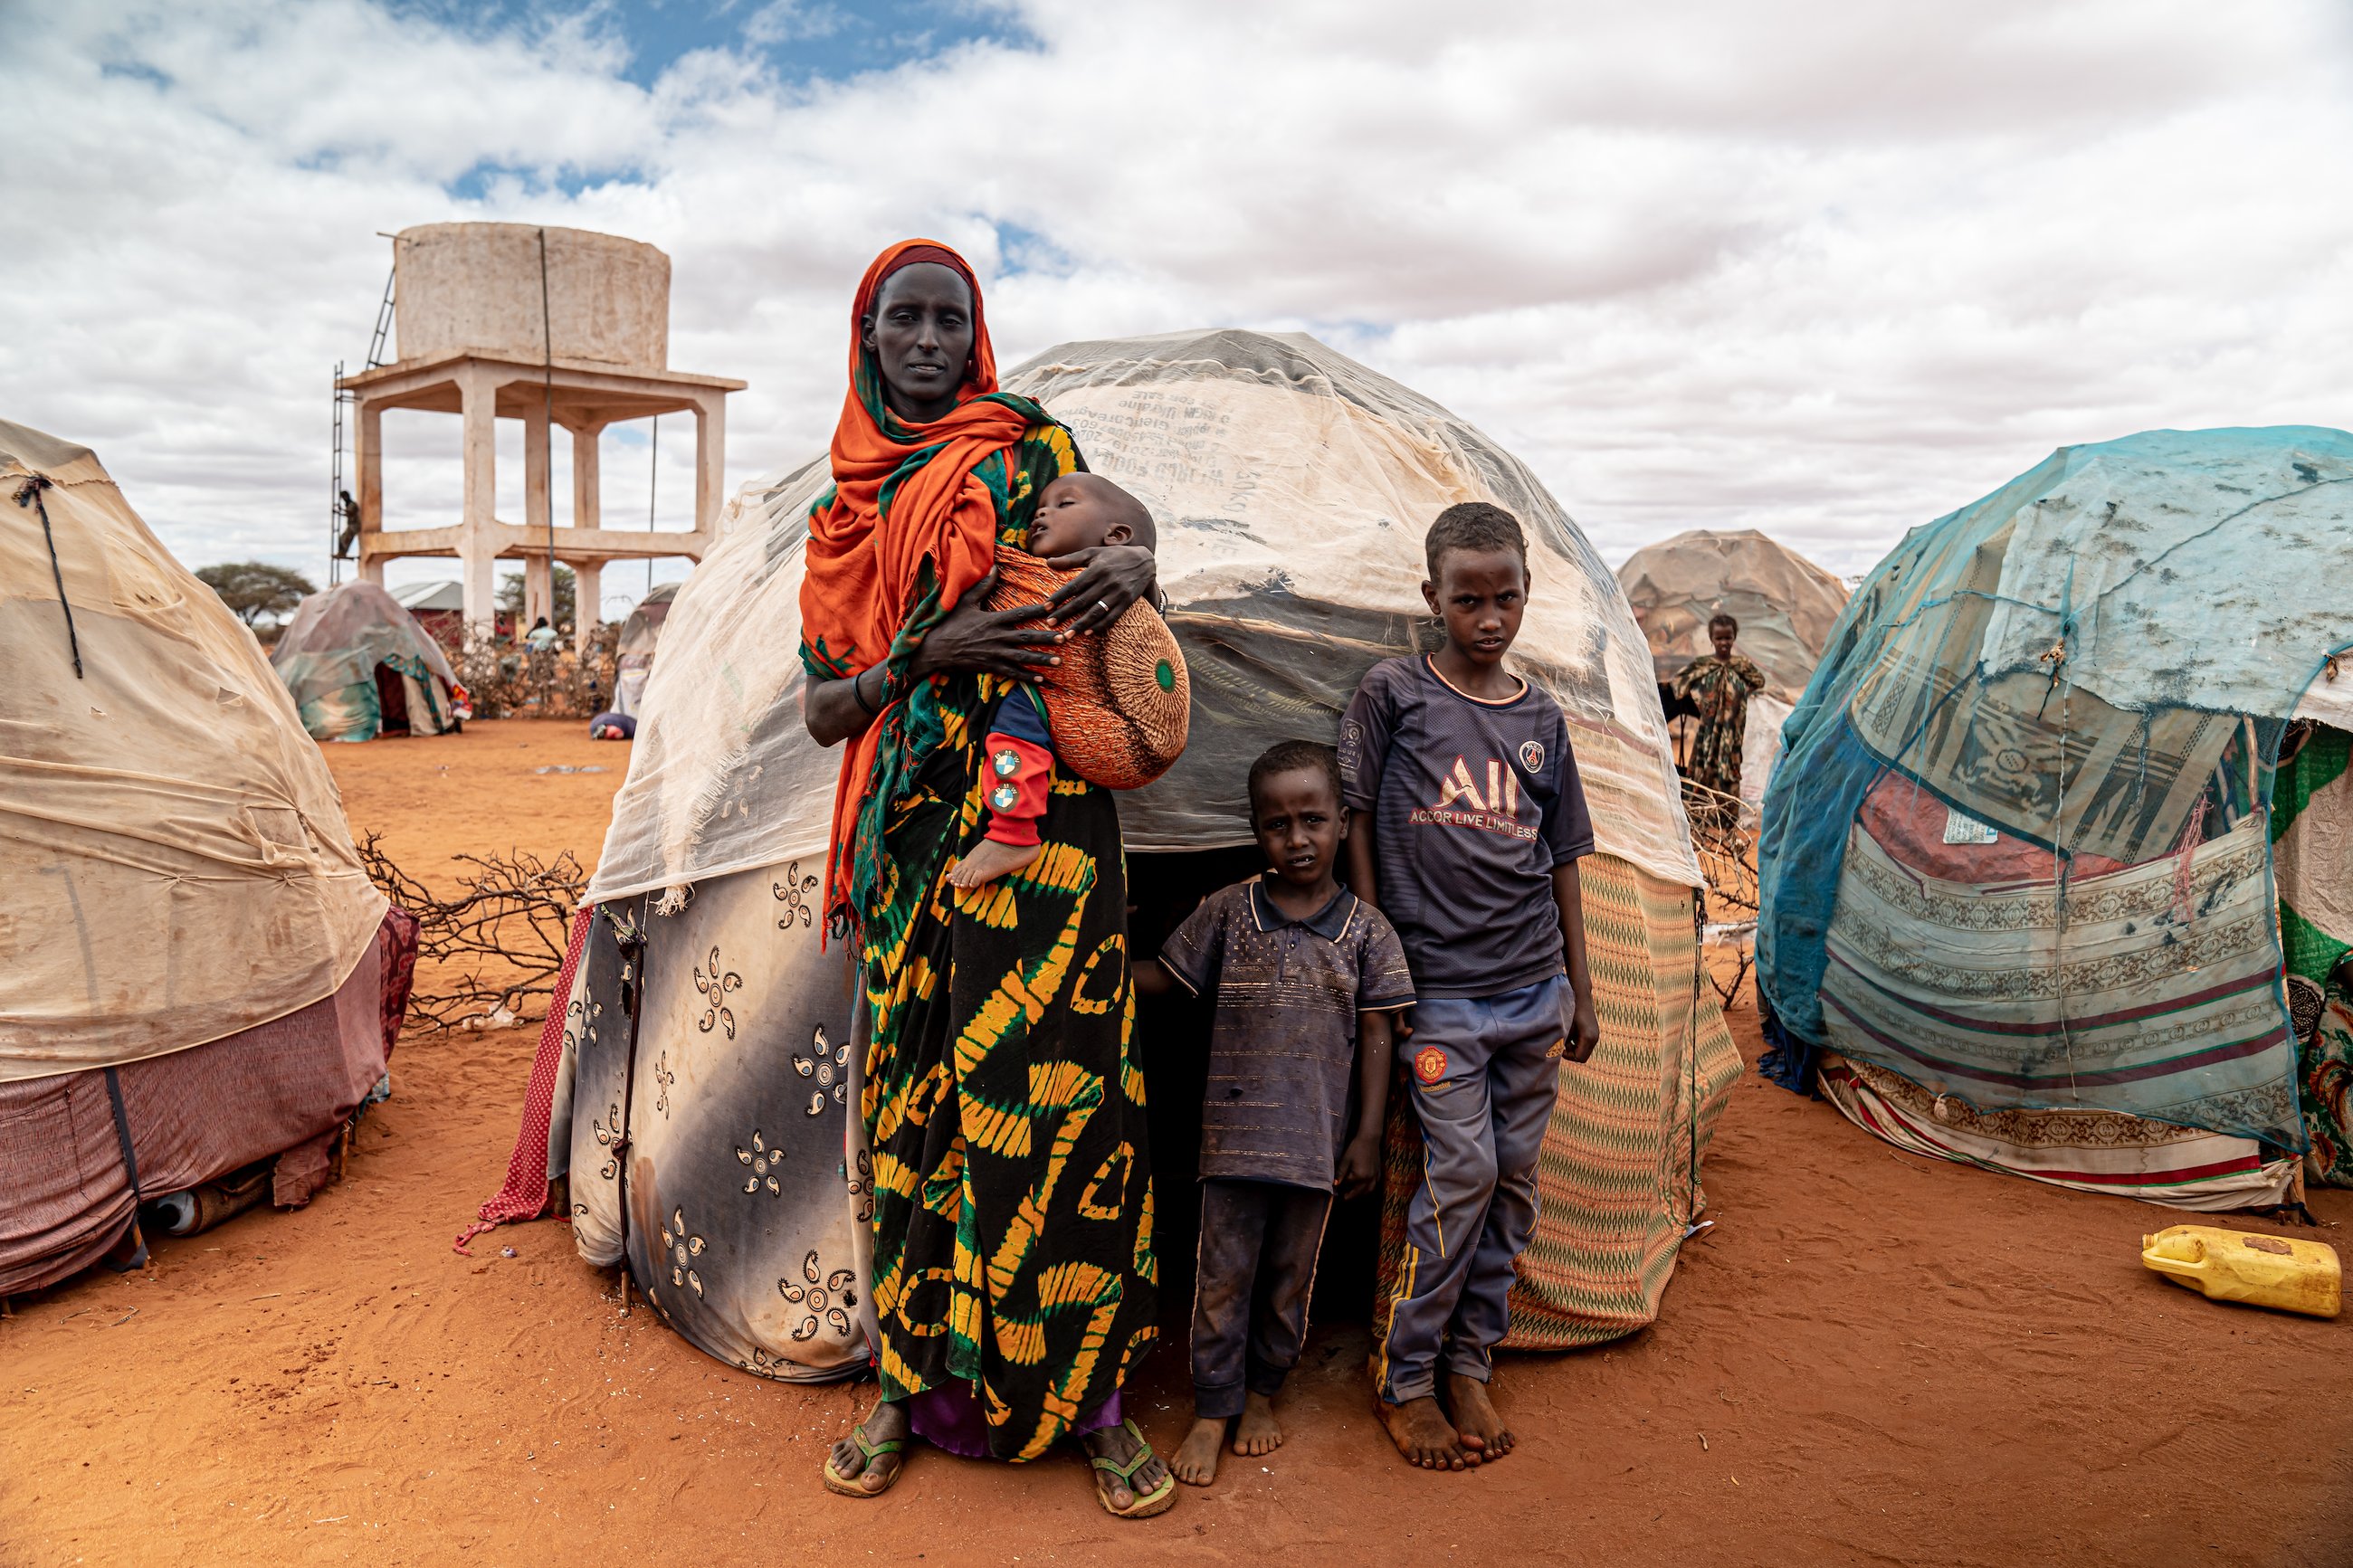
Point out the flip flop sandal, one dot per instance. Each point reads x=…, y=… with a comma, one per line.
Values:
x=847, y=1486
x=1159, y=1499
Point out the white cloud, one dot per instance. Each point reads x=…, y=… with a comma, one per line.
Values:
x=1821, y=269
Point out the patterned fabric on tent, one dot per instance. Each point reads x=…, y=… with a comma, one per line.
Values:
x=2016, y=856
x=349, y=649
x=2312, y=851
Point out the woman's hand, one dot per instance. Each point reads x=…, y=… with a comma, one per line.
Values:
x=973, y=637
x=1111, y=578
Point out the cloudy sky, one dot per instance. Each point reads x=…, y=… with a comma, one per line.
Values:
x=1826, y=269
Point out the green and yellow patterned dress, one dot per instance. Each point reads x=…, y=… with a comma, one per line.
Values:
x=1003, y=1102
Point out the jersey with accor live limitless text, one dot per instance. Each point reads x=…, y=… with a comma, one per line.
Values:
x=1474, y=803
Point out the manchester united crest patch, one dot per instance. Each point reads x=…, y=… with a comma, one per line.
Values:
x=1430, y=1064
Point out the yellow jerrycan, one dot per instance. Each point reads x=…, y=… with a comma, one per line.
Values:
x=2241, y=1266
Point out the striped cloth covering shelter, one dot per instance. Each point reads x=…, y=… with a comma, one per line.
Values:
x=2017, y=866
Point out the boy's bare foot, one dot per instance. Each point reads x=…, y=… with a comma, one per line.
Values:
x=1422, y=1432
x=1196, y=1462
x=1476, y=1419
x=1257, y=1431
x=989, y=860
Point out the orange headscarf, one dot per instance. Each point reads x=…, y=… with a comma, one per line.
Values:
x=905, y=498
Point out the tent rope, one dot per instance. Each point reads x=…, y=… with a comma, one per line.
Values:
x=129, y=1168
x=29, y=494
x=547, y=412
x=1691, y=1063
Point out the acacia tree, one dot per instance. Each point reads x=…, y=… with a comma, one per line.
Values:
x=252, y=589
x=511, y=597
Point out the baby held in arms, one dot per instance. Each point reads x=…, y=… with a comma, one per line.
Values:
x=1077, y=511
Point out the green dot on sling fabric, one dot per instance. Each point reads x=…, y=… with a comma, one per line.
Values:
x=1165, y=676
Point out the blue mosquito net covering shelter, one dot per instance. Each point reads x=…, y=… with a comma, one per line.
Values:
x=2016, y=849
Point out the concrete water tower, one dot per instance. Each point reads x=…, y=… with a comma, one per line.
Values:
x=550, y=326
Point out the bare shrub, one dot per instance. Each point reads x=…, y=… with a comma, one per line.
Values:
x=494, y=950
x=509, y=681
x=1724, y=836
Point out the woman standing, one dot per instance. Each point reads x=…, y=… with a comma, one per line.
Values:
x=1013, y=1269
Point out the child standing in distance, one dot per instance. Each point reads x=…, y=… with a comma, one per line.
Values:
x=1467, y=819
x=1306, y=975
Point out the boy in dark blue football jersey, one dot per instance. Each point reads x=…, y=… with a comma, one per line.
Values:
x=1467, y=822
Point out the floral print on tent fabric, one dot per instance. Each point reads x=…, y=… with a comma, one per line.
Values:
x=795, y=893
x=608, y=1129
x=683, y=1249
x=716, y=987
x=829, y=1065
x=763, y=1162
x=825, y=1297
x=861, y=1186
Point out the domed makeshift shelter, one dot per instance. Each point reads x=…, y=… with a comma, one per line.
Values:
x=700, y=1081
x=359, y=665
x=1785, y=604
x=200, y=984
x=2017, y=863
x=641, y=637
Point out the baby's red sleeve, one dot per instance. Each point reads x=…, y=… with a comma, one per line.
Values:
x=1020, y=775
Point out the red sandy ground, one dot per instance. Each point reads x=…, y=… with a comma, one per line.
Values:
x=1870, y=1359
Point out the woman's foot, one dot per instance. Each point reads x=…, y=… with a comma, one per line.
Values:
x=1129, y=1473
x=1196, y=1462
x=869, y=1471
x=1257, y=1431
x=989, y=860
x=1476, y=1419
x=1422, y=1433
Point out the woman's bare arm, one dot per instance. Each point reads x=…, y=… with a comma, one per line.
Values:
x=838, y=710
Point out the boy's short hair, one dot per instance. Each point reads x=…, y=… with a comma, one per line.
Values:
x=1474, y=525
x=1294, y=756
x=1723, y=618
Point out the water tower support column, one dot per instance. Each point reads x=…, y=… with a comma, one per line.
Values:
x=587, y=498
x=709, y=460
x=478, y=547
x=587, y=512
x=538, y=590
x=587, y=599
x=538, y=503
x=367, y=454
